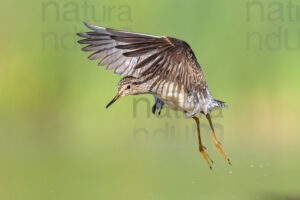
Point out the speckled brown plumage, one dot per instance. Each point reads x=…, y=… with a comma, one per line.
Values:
x=159, y=65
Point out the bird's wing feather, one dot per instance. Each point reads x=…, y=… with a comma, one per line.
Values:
x=137, y=55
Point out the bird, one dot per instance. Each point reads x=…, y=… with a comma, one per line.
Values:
x=162, y=66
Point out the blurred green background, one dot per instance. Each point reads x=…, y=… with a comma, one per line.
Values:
x=59, y=142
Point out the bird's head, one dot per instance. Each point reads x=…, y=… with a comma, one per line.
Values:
x=125, y=88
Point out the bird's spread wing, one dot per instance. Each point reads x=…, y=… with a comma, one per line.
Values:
x=135, y=54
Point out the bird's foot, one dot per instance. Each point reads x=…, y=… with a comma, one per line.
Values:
x=206, y=156
x=218, y=145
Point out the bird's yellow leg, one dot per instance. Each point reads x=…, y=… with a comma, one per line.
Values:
x=201, y=147
x=215, y=139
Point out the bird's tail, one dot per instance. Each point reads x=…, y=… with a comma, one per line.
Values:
x=220, y=104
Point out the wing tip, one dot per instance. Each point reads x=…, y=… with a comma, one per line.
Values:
x=86, y=24
x=98, y=29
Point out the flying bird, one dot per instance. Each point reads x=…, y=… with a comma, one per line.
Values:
x=162, y=66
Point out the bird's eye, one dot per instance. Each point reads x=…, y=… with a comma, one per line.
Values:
x=128, y=87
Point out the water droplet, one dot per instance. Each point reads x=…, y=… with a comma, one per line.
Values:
x=230, y=172
x=260, y=166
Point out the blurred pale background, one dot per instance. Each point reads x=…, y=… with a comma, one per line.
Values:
x=59, y=142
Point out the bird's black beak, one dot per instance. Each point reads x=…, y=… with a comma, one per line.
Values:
x=113, y=100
